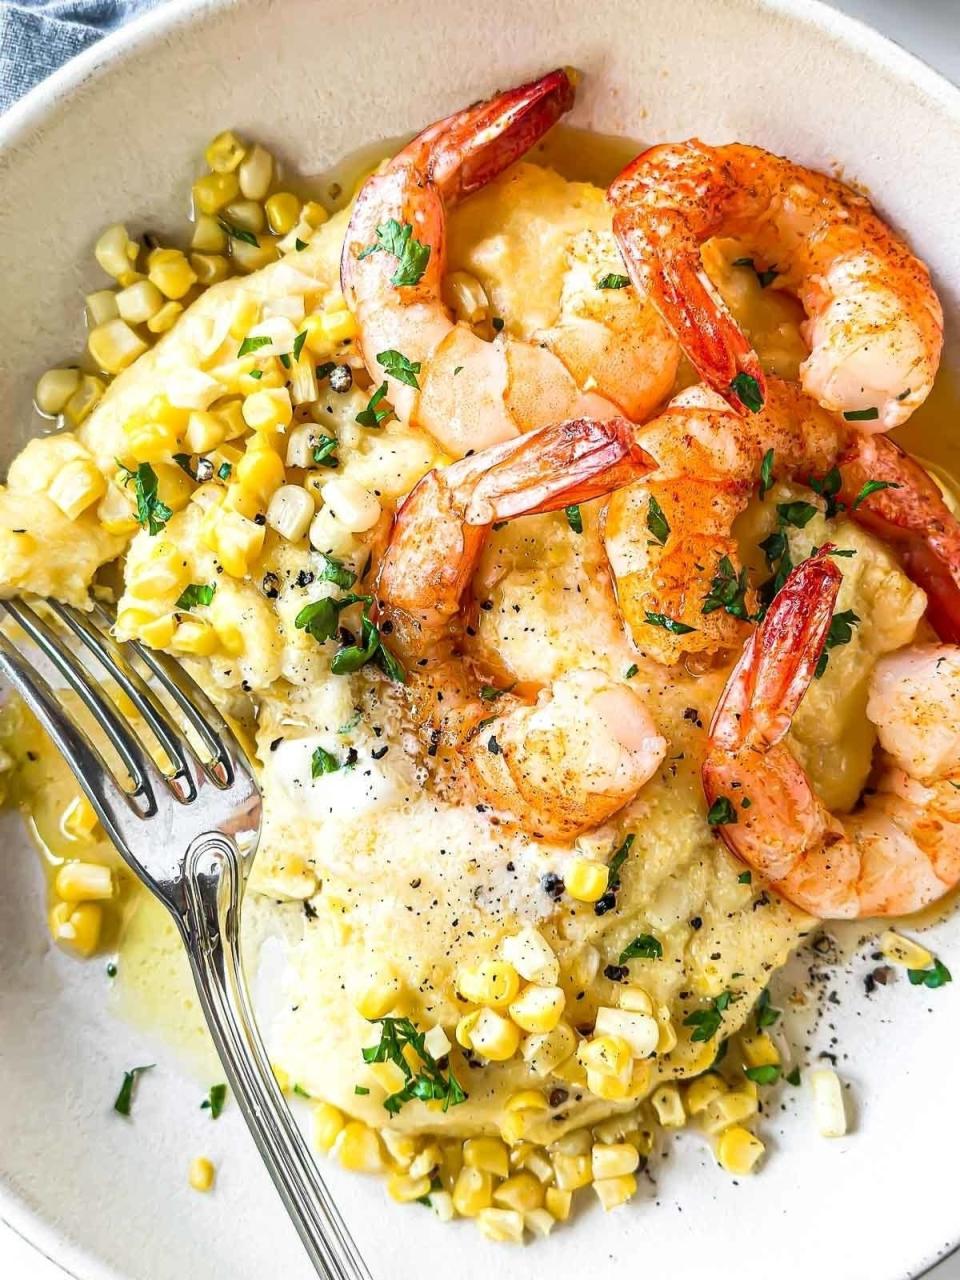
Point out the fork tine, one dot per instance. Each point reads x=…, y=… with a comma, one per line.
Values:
x=106, y=650
x=135, y=759
x=91, y=771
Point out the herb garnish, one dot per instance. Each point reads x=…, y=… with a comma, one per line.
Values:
x=872, y=486
x=728, y=590
x=707, y=1021
x=797, y=514
x=745, y=877
x=766, y=1074
x=644, y=947
x=352, y=657
x=430, y=1083
x=238, y=233
x=360, y=1090
x=657, y=522
x=667, y=623
x=299, y=244
x=828, y=488
x=214, y=1100
x=399, y=367
x=613, y=281
x=224, y=470
x=373, y=415
x=764, y=277
x=298, y=342
x=322, y=762
x=938, y=976
x=631, y=671
x=766, y=1014
x=335, y=571
x=323, y=453
x=574, y=518
x=249, y=345
x=841, y=632
x=794, y=1077
x=861, y=415
x=398, y=239
x=196, y=593
x=320, y=618
x=747, y=390
x=490, y=693
x=722, y=813
x=766, y=473
x=125, y=1096
x=151, y=512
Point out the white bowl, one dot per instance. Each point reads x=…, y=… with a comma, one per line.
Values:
x=112, y=137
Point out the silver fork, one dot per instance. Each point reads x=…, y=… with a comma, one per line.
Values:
x=190, y=836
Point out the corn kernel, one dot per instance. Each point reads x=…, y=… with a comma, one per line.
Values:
x=380, y=996
x=260, y=471
x=114, y=345
x=635, y=1000
x=215, y=190
x=559, y=1202
x=527, y=1100
x=610, y=1088
x=702, y=1091
x=738, y=1150
x=828, y=1104
x=732, y=1107
x=639, y=1030
x=466, y=297
x=77, y=486
x=283, y=210
x=487, y=1154
x=139, y=303
x=327, y=330
x=405, y=1189
x=586, y=880
x=224, y=152
x=209, y=268
x=358, y=1148
x=174, y=486
x=234, y=540
x=669, y=1106
x=472, y=1191
x=201, y=1174
x=613, y=1160
x=76, y=926
x=208, y=235
x=150, y=441
x=904, y=951
x=545, y=1053
x=204, y=432
x=165, y=318
x=490, y=982
x=243, y=500
x=84, y=398
x=255, y=173
x=328, y=1121
x=195, y=637
x=54, y=389
x=402, y=1148
x=115, y=251
x=532, y=956
x=269, y=409
x=501, y=1225
x=572, y=1172
x=249, y=257
x=539, y=1221
x=464, y=1029
x=759, y=1050
x=426, y=1162
x=667, y=1034
x=494, y=1037
x=83, y=882
x=79, y=821
x=358, y=510
x=436, y=1043
x=613, y=1192
x=171, y=273
x=538, y=1008
x=609, y=1055
x=157, y=633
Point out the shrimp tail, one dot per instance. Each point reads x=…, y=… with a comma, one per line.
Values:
x=779, y=660
x=909, y=512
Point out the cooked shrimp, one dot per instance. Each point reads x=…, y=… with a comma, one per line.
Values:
x=570, y=760
x=669, y=536
x=909, y=512
x=901, y=849
x=874, y=324
x=467, y=392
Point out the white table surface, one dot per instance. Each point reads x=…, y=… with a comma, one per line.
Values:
x=929, y=28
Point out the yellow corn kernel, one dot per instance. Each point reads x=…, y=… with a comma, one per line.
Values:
x=194, y=636
x=491, y=982
x=702, y=1091
x=358, y=1148
x=538, y=1008
x=327, y=330
x=208, y=235
x=255, y=173
x=281, y=1077
x=527, y=1100
x=209, y=268
x=532, y=956
x=150, y=441
x=234, y=540
x=214, y=190
x=224, y=152
x=268, y=410
x=610, y=1088
x=586, y=880
x=495, y=1037
x=828, y=1102
x=640, y=1031
x=504, y=1226
x=466, y=297
x=388, y=1076
x=139, y=302
x=76, y=926
x=608, y=1055
x=84, y=398
x=157, y=633
x=667, y=1037
x=534, y=1159
x=738, y=1150
x=115, y=251
x=669, y=1106
x=248, y=257
x=171, y=273
x=380, y=996
x=246, y=313
x=164, y=572
x=405, y=1189
x=204, y=432
x=558, y=1203
x=79, y=821
x=548, y=1052
x=464, y=1029
x=174, y=486
x=114, y=345
x=759, y=1050
x=472, y=1191
x=327, y=1123
x=613, y=1192
x=402, y=1148
x=904, y=951
x=101, y=306
x=283, y=210
x=243, y=500
x=539, y=1222
x=488, y=1154
x=201, y=1174
x=260, y=471
x=635, y=1000
x=571, y=1172
x=165, y=318
x=84, y=882
x=231, y=417
x=128, y=278
x=732, y=1107
x=77, y=486
x=54, y=389
x=613, y=1160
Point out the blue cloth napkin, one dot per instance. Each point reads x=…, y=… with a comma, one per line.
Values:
x=38, y=36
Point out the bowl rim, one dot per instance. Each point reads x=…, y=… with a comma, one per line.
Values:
x=43, y=101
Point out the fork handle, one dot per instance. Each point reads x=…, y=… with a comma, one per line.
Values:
x=210, y=926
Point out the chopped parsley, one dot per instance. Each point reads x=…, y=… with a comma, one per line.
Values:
x=255, y=374
x=861, y=415
x=766, y=1014
x=631, y=671
x=124, y=1098
x=657, y=521
x=745, y=877
x=667, y=623
x=152, y=514
x=399, y=367
x=747, y=390
x=574, y=518
x=430, y=1083
x=320, y=618
x=214, y=1100
x=797, y=514
x=613, y=281
x=707, y=1021
x=360, y=1090
x=322, y=762
x=766, y=473
x=373, y=414
x=872, y=486
x=644, y=947
x=196, y=593
x=793, y=1077
x=323, y=453
x=840, y=633
x=298, y=342
x=764, y=277
x=249, y=345
x=224, y=470
x=490, y=693
x=938, y=976
x=299, y=245
x=412, y=256
x=722, y=813
x=728, y=590
x=828, y=488
x=352, y=657
x=767, y=1074
x=337, y=572
x=238, y=233
x=617, y=861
